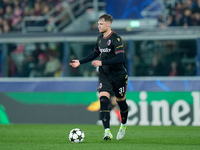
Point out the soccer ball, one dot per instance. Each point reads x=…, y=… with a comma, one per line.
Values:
x=76, y=135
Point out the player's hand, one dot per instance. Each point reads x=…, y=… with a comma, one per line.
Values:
x=75, y=63
x=96, y=63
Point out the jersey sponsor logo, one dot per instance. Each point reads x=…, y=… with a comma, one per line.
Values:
x=118, y=39
x=104, y=50
x=109, y=42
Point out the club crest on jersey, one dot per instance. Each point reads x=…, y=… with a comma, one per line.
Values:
x=109, y=42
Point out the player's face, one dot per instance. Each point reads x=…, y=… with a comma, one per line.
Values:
x=103, y=25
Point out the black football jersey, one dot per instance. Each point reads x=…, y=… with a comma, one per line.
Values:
x=109, y=47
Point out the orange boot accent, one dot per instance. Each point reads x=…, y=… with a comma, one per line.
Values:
x=118, y=115
x=94, y=106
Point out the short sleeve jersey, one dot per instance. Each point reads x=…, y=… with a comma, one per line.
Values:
x=109, y=47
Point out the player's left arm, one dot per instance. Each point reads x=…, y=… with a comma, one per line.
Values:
x=119, y=58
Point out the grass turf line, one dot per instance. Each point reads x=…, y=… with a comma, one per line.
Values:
x=55, y=137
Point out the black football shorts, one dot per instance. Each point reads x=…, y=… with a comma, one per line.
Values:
x=117, y=84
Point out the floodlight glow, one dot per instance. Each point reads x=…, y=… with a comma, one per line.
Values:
x=134, y=23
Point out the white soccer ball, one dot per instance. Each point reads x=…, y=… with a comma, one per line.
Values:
x=76, y=135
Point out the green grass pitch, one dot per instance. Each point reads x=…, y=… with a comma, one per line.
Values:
x=55, y=137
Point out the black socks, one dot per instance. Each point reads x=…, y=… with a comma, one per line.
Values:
x=104, y=111
x=123, y=110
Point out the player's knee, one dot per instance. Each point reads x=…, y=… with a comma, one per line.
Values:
x=104, y=101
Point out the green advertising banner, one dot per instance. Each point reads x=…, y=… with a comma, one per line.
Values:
x=146, y=108
x=68, y=98
x=164, y=108
x=3, y=116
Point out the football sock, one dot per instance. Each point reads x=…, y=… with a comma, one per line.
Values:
x=105, y=112
x=123, y=110
x=123, y=125
x=107, y=130
x=110, y=107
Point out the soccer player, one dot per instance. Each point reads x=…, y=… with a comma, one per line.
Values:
x=112, y=73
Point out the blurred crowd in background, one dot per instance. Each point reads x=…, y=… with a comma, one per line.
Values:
x=151, y=58
x=182, y=13
x=13, y=11
x=165, y=58
x=35, y=60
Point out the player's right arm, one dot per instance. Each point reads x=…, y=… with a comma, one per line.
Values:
x=75, y=63
x=89, y=57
